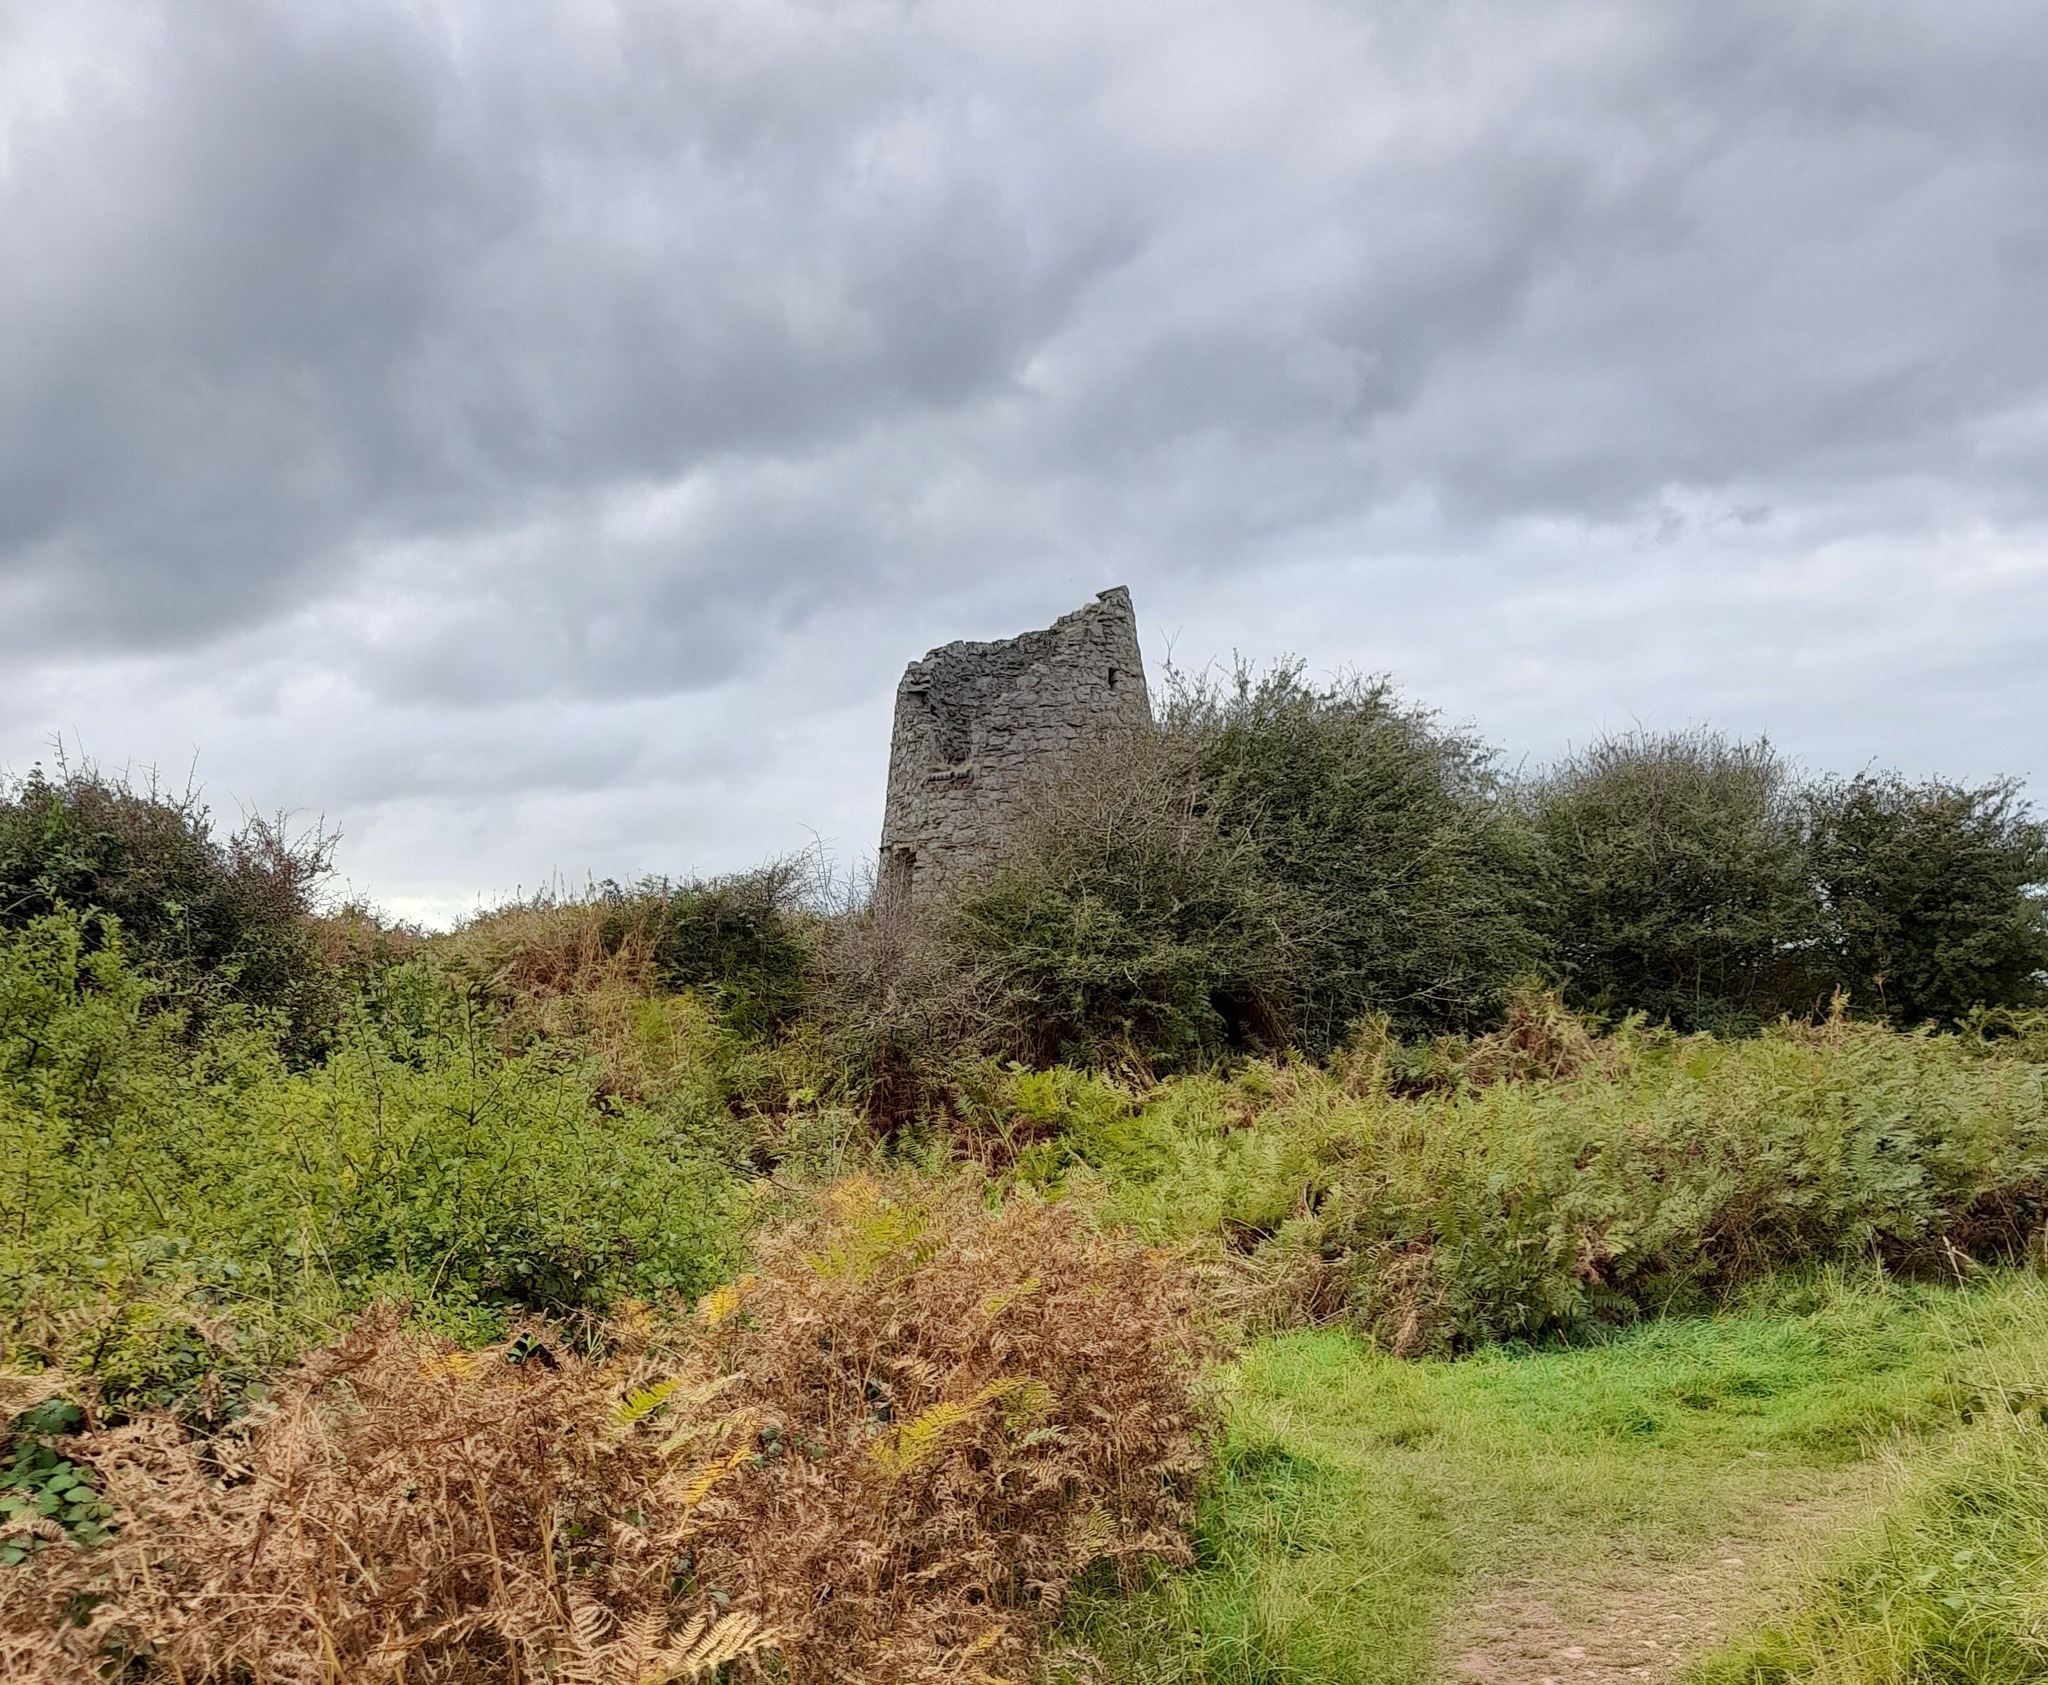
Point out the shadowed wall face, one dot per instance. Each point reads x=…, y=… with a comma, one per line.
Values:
x=977, y=725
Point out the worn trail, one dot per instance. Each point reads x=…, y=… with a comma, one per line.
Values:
x=1637, y=1617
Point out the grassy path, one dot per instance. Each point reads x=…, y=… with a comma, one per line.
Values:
x=1586, y=1515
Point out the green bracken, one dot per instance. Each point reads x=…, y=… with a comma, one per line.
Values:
x=1666, y=1171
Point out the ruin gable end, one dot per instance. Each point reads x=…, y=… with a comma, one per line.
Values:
x=979, y=725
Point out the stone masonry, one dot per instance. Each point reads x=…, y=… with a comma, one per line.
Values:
x=977, y=725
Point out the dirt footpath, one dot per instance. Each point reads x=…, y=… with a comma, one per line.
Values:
x=1640, y=1620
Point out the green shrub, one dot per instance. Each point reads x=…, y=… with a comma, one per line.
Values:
x=1389, y=833
x=40, y=1486
x=174, y=1208
x=1675, y=881
x=741, y=939
x=424, y=1156
x=1128, y=921
x=212, y=920
x=1933, y=894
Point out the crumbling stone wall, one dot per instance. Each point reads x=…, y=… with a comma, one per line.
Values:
x=977, y=725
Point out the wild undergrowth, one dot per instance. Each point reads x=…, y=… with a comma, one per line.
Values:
x=882, y=1454
x=391, y=1306
x=1548, y=1185
x=179, y=1212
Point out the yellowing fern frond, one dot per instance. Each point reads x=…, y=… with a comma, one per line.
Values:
x=868, y=1229
x=644, y=1401
x=632, y=1321
x=1025, y=1403
x=699, y=1485
x=695, y=1430
x=1096, y=1533
x=459, y=1366
x=915, y=1440
x=996, y=1303
x=700, y=1649
x=719, y=1304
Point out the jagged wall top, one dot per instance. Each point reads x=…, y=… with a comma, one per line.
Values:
x=977, y=724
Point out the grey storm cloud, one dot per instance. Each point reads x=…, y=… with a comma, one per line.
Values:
x=592, y=401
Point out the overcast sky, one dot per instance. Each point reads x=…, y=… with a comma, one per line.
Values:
x=535, y=433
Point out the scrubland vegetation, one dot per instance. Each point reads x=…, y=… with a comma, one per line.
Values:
x=1319, y=1201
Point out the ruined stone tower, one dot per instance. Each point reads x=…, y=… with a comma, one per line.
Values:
x=978, y=724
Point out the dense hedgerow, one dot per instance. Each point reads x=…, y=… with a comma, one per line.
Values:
x=1270, y=863
x=1277, y=861
x=741, y=939
x=1674, y=881
x=899, y=1026
x=1131, y=920
x=1406, y=872
x=1703, y=882
x=1931, y=895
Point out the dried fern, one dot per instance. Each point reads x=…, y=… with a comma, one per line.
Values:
x=931, y=1417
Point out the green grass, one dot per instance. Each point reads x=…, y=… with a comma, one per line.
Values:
x=1363, y=1504
x=1951, y=1586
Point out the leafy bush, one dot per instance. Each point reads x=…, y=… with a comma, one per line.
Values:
x=45, y=1498
x=1388, y=832
x=208, y=918
x=740, y=939
x=1128, y=920
x=883, y=1456
x=1272, y=863
x=175, y=1208
x=1933, y=895
x=425, y=1157
x=1675, y=880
